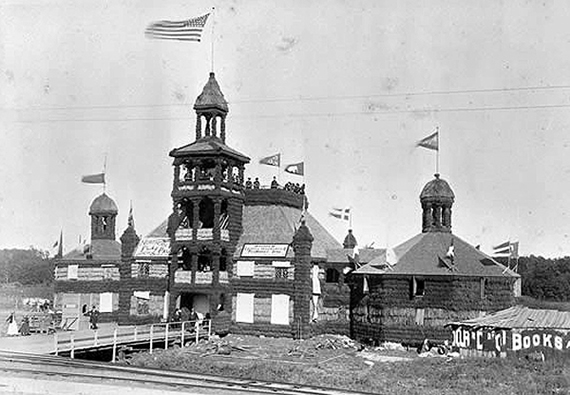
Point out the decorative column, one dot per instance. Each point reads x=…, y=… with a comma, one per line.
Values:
x=198, y=127
x=207, y=131
x=223, y=128
x=214, y=124
x=302, y=244
x=195, y=218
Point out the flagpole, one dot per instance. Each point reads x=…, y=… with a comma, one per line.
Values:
x=437, y=152
x=105, y=173
x=213, y=23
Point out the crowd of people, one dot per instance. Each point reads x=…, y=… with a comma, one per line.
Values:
x=289, y=186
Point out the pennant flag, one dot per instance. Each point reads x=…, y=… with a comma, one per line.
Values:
x=340, y=213
x=430, y=142
x=296, y=168
x=188, y=30
x=59, y=245
x=273, y=160
x=451, y=252
x=391, y=258
x=131, y=219
x=507, y=249
x=94, y=178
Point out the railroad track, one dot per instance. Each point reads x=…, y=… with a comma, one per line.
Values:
x=90, y=371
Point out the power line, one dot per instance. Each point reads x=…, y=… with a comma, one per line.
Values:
x=308, y=98
x=314, y=115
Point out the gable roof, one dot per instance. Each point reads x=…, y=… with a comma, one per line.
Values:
x=276, y=224
x=208, y=145
x=365, y=255
x=425, y=254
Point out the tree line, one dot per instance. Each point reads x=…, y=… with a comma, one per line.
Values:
x=27, y=267
x=545, y=278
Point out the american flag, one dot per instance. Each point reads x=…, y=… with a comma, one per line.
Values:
x=189, y=30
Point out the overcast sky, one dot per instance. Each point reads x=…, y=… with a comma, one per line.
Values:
x=347, y=87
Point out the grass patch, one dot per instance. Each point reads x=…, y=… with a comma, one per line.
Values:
x=346, y=369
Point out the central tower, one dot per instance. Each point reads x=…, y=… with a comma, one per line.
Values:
x=206, y=222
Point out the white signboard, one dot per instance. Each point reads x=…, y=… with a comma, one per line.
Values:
x=153, y=247
x=265, y=250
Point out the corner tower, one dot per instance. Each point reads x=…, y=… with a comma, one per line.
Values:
x=436, y=199
x=208, y=197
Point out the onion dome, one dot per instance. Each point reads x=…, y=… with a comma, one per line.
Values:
x=103, y=204
x=349, y=241
x=211, y=97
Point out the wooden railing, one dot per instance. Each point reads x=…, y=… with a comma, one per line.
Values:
x=124, y=335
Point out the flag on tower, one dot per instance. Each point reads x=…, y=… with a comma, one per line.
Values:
x=273, y=160
x=507, y=249
x=59, y=245
x=340, y=213
x=296, y=168
x=131, y=219
x=94, y=178
x=188, y=30
x=430, y=142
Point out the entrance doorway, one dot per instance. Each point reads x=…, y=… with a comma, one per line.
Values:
x=200, y=302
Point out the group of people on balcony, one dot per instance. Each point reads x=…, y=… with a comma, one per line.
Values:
x=198, y=173
x=289, y=186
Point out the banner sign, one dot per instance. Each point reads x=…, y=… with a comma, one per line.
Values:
x=511, y=340
x=265, y=250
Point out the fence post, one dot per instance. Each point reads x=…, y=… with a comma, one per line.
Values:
x=209, y=329
x=136, y=333
x=96, y=337
x=72, y=339
x=197, y=327
x=114, y=358
x=181, y=336
x=55, y=343
x=150, y=347
x=166, y=337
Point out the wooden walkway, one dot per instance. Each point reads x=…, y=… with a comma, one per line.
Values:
x=109, y=336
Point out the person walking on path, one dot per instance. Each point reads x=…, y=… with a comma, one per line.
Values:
x=93, y=317
x=12, y=325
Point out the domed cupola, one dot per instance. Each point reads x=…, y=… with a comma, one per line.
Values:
x=349, y=241
x=211, y=107
x=436, y=199
x=103, y=212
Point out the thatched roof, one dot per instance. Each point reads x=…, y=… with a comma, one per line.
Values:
x=277, y=224
x=425, y=254
x=272, y=224
x=98, y=249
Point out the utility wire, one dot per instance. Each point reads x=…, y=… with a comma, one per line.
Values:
x=313, y=115
x=310, y=98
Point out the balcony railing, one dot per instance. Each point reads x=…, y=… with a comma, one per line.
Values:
x=201, y=234
x=183, y=276
x=203, y=277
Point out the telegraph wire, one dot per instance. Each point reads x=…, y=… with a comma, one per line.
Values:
x=315, y=115
x=307, y=98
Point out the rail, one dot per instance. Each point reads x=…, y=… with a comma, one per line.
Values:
x=124, y=335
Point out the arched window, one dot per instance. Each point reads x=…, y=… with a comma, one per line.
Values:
x=207, y=170
x=223, y=260
x=207, y=213
x=184, y=259
x=205, y=260
x=332, y=275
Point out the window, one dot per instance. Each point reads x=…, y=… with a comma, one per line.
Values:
x=106, y=302
x=245, y=268
x=280, y=309
x=418, y=287
x=483, y=284
x=419, y=317
x=144, y=269
x=72, y=272
x=332, y=275
x=244, y=308
x=281, y=273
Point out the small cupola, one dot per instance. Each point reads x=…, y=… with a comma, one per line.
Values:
x=103, y=212
x=437, y=199
x=211, y=110
x=349, y=241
